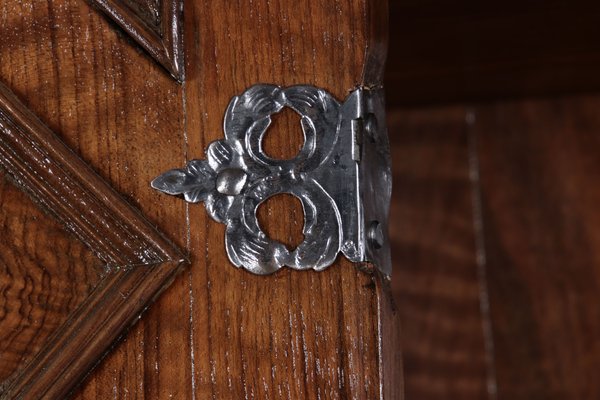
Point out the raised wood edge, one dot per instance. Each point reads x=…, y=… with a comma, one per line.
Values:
x=141, y=262
x=376, y=51
x=391, y=369
x=390, y=358
x=67, y=187
x=166, y=48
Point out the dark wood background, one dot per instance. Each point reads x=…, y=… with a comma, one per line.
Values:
x=495, y=129
x=469, y=50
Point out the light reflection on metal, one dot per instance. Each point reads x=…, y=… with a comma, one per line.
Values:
x=341, y=175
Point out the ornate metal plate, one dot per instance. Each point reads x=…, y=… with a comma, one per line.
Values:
x=341, y=175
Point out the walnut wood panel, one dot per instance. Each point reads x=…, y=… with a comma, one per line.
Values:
x=153, y=24
x=436, y=281
x=540, y=169
x=41, y=278
x=139, y=261
x=147, y=10
x=112, y=106
x=122, y=114
x=218, y=331
x=289, y=335
x=465, y=50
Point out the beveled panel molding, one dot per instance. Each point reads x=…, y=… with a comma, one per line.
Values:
x=154, y=24
x=139, y=260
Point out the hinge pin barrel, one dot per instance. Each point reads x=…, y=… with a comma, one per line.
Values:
x=358, y=128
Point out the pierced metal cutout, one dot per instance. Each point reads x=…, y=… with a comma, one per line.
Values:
x=341, y=175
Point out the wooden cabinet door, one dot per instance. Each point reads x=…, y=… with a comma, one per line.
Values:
x=96, y=99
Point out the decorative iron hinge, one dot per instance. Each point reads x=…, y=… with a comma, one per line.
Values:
x=341, y=175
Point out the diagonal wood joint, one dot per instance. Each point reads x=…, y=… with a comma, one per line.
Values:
x=140, y=260
x=154, y=25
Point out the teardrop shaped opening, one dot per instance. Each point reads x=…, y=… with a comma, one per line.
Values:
x=284, y=138
x=281, y=217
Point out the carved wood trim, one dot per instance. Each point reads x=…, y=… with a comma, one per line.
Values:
x=164, y=43
x=140, y=261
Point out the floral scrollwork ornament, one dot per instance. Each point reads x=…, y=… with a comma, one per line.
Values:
x=237, y=176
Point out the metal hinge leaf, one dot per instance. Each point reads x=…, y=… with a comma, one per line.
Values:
x=342, y=176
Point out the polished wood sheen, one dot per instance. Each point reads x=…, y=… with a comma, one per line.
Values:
x=289, y=335
x=139, y=262
x=217, y=332
x=540, y=168
x=109, y=103
x=154, y=24
x=496, y=234
x=436, y=281
x=45, y=274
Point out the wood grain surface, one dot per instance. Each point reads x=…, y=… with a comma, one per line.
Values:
x=540, y=168
x=290, y=335
x=148, y=11
x=436, y=281
x=138, y=261
x=143, y=261
x=155, y=25
x=41, y=278
x=495, y=231
x=218, y=332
